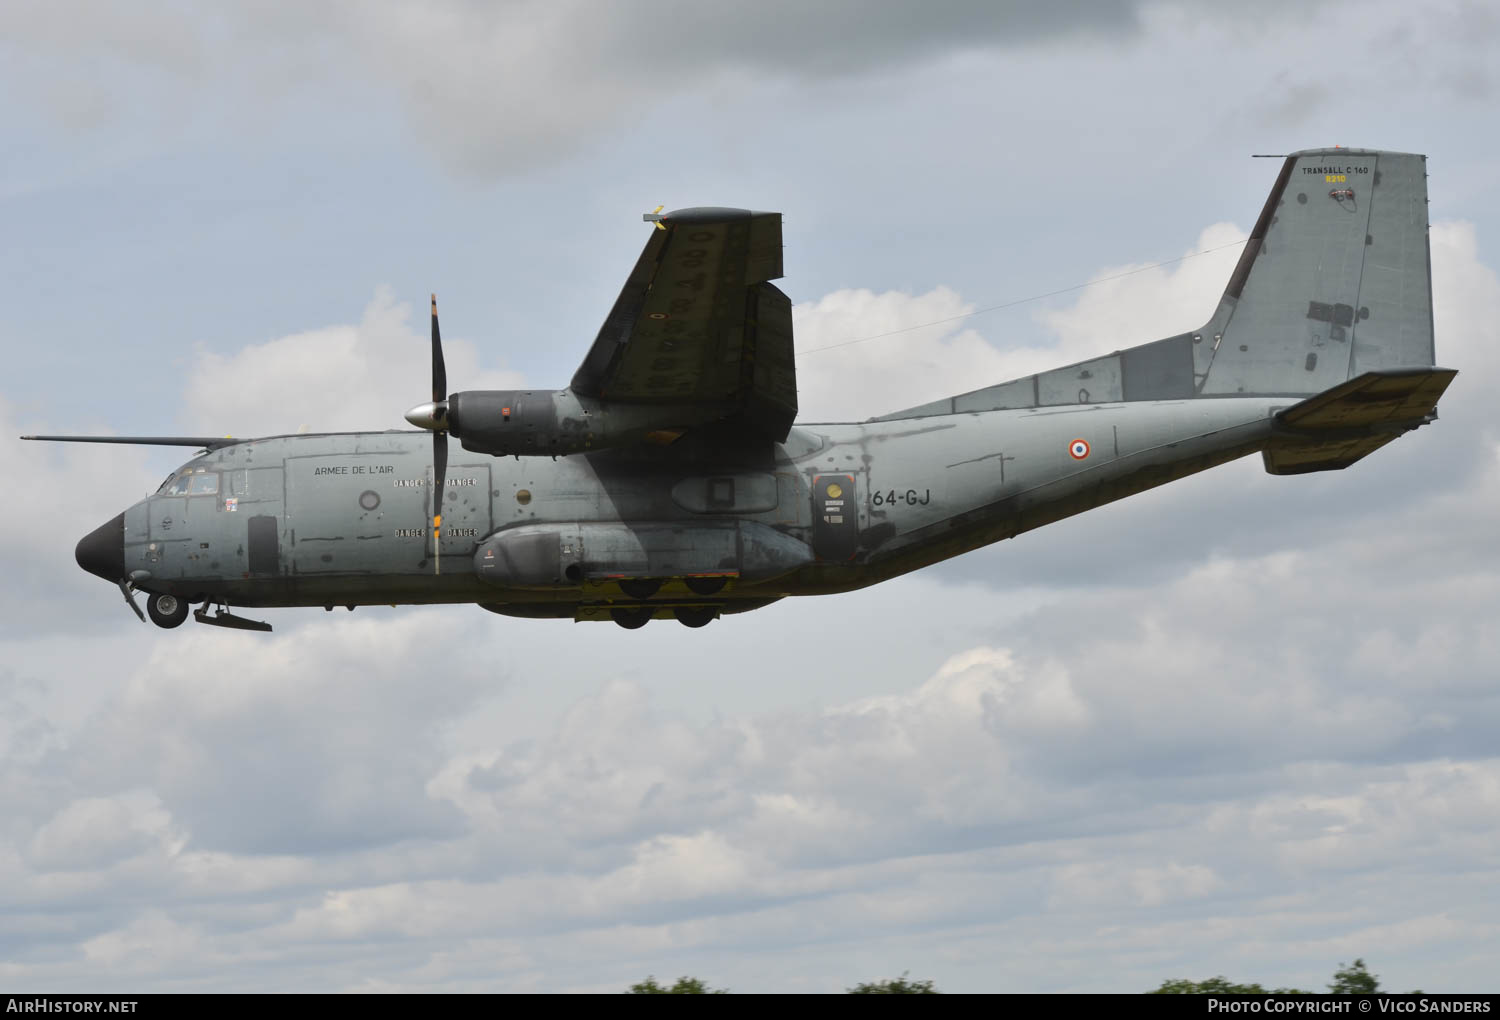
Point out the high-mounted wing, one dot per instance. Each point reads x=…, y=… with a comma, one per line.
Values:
x=698, y=323
x=203, y=442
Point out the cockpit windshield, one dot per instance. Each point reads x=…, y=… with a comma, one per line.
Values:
x=190, y=482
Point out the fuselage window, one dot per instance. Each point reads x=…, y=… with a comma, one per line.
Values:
x=206, y=484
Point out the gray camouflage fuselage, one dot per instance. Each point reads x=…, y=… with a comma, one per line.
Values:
x=343, y=515
x=1320, y=351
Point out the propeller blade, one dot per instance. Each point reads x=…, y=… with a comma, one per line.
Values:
x=439, y=370
x=434, y=416
x=439, y=479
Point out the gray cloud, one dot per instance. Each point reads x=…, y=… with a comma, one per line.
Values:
x=1241, y=725
x=1313, y=703
x=1412, y=486
x=495, y=87
x=1173, y=755
x=316, y=743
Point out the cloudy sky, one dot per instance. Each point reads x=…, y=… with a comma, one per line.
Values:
x=1241, y=724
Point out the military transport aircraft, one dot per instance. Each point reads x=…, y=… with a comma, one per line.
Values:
x=670, y=479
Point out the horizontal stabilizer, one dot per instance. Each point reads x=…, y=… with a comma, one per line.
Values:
x=1334, y=429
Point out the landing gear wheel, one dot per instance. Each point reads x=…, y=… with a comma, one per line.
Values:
x=631, y=619
x=640, y=587
x=705, y=586
x=696, y=617
x=167, y=610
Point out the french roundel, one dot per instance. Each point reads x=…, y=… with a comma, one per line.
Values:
x=1079, y=448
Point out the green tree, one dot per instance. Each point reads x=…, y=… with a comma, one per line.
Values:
x=1354, y=980
x=1350, y=979
x=894, y=986
x=684, y=986
x=1218, y=986
x=1210, y=986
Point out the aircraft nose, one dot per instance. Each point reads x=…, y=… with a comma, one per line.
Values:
x=102, y=551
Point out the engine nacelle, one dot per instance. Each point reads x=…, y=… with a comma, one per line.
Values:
x=556, y=422
x=548, y=557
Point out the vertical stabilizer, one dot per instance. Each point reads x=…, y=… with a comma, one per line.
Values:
x=1334, y=282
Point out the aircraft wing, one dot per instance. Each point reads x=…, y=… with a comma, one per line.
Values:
x=203, y=442
x=698, y=323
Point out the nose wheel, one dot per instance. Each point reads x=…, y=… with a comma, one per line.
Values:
x=167, y=610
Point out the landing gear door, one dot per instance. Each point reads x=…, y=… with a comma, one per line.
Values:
x=836, y=509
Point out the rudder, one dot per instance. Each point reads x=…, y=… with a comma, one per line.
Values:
x=1335, y=280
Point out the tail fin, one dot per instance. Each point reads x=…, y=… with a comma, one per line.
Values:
x=1334, y=282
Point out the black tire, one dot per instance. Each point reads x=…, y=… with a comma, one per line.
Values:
x=640, y=587
x=631, y=619
x=705, y=586
x=167, y=611
x=697, y=617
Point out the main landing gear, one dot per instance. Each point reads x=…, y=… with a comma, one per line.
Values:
x=631, y=619
x=634, y=617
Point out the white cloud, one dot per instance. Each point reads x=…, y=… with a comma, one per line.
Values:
x=338, y=378
x=861, y=381
x=315, y=742
x=61, y=492
x=1293, y=719
x=95, y=832
x=926, y=347
x=1134, y=304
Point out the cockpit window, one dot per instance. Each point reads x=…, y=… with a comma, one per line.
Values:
x=180, y=487
x=163, y=487
x=206, y=484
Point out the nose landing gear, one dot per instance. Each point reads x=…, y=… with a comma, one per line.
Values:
x=167, y=610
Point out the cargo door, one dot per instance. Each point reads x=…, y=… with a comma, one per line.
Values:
x=254, y=497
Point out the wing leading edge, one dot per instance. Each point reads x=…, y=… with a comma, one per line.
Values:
x=202, y=442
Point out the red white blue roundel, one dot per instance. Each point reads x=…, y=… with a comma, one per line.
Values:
x=1079, y=449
